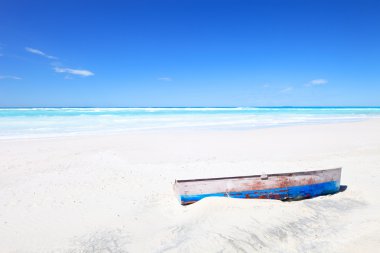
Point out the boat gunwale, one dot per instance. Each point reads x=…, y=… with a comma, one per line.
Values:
x=253, y=176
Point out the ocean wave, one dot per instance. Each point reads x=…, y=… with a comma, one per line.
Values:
x=68, y=121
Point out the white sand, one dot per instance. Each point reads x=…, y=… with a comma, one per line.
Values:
x=114, y=193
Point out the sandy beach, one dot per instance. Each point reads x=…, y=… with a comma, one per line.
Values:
x=113, y=193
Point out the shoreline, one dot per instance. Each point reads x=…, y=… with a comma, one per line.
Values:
x=173, y=130
x=36, y=123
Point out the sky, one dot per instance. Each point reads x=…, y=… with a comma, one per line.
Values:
x=189, y=53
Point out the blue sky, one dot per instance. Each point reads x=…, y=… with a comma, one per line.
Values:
x=190, y=53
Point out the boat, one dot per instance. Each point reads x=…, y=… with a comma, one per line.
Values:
x=282, y=186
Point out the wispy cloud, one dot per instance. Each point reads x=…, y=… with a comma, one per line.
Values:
x=316, y=82
x=39, y=52
x=58, y=66
x=287, y=89
x=79, y=72
x=167, y=79
x=10, y=77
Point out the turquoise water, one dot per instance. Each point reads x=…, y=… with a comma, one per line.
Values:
x=35, y=122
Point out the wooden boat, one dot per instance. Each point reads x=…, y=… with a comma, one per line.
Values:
x=283, y=186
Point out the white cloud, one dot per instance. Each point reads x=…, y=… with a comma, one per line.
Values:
x=39, y=52
x=167, y=79
x=56, y=65
x=10, y=77
x=316, y=82
x=287, y=89
x=79, y=72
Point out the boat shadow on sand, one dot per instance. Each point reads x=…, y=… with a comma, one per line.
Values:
x=342, y=188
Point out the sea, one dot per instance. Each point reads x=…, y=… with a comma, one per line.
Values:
x=51, y=122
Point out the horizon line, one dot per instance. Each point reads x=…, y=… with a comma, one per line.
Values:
x=285, y=106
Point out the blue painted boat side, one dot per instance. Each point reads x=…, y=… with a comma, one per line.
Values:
x=291, y=192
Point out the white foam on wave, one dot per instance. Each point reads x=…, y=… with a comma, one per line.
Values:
x=73, y=121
